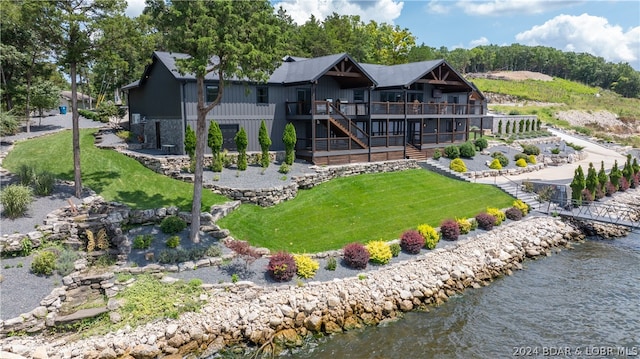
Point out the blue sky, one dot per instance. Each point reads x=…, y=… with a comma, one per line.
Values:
x=608, y=28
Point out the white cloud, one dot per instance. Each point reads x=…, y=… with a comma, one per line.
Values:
x=437, y=7
x=511, y=7
x=478, y=42
x=586, y=33
x=134, y=7
x=378, y=10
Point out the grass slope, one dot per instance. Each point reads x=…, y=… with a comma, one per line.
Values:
x=361, y=208
x=112, y=175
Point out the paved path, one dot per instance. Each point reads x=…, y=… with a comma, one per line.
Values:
x=50, y=124
x=564, y=173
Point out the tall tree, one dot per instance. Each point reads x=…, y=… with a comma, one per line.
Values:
x=577, y=185
x=230, y=39
x=73, y=28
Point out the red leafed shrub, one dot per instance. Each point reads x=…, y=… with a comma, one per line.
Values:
x=450, y=229
x=356, y=255
x=624, y=184
x=513, y=214
x=282, y=267
x=411, y=242
x=610, y=189
x=485, y=221
x=635, y=180
x=599, y=193
x=587, y=196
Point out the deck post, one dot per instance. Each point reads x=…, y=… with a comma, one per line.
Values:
x=404, y=139
x=369, y=129
x=313, y=120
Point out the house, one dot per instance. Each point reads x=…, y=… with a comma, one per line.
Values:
x=84, y=101
x=343, y=111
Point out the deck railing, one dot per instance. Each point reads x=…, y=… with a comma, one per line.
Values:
x=382, y=108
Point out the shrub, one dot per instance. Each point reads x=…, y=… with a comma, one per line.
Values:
x=284, y=168
x=452, y=151
x=242, y=142
x=379, y=252
x=332, y=263
x=356, y=255
x=430, y=235
x=289, y=139
x=495, y=164
x=412, y=241
x=587, y=196
x=8, y=124
x=282, y=267
x=521, y=162
x=610, y=189
x=458, y=165
x=555, y=151
x=520, y=156
x=624, y=184
x=500, y=216
x=265, y=143
x=599, y=193
x=43, y=183
x=26, y=174
x=467, y=150
x=395, y=249
x=437, y=154
x=485, y=221
x=44, y=262
x=449, y=229
x=15, y=200
x=464, y=225
x=532, y=159
x=514, y=214
x=474, y=224
x=481, y=143
x=523, y=207
x=173, y=241
x=531, y=150
x=306, y=266
x=244, y=250
x=172, y=225
x=142, y=241
x=65, y=263
x=504, y=161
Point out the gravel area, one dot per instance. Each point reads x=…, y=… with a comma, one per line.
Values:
x=255, y=177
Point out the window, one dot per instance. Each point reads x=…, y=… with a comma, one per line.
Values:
x=389, y=96
x=228, y=136
x=358, y=95
x=262, y=95
x=211, y=93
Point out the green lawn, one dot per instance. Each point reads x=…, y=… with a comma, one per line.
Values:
x=112, y=175
x=361, y=208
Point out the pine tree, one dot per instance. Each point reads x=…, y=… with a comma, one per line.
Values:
x=577, y=185
x=500, y=127
x=592, y=179
x=190, y=143
x=603, y=178
x=214, y=141
x=242, y=141
x=265, y=143
x=508, y=129
x=615, y=175
x=289, y=139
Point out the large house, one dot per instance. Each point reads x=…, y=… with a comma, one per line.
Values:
x=343, y=111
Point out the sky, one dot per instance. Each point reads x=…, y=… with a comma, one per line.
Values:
x=607, y=28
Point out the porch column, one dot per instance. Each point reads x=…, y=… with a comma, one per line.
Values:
x=404, y=139
x=369, y=129
x=313, y=120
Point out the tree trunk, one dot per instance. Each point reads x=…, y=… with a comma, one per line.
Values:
x=201, y=139
x=76, y=131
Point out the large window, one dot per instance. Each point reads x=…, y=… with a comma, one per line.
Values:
x=391, y=96
x=211, y=93
x=358, y=95
x=262, y=95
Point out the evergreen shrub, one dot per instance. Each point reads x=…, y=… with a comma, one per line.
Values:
x=458, y=165
x=467, y=150
x=356, y=255
x=412, y=241
x=495, y=164
x=332, y=263
x=481, y=143
x=437, y=154
x=379, y=252
x=532, y=159
x=173, y=242
x=395, y=249
x=142, y=241
x=521, y=162
x=520, y=156
x=282, y=267
x=172, y=225
x=452, y=151
x=504, y=161
x=450, y=229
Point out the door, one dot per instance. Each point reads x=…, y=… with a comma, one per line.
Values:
x=158, y=141
x=413, y=135
x=304, y=101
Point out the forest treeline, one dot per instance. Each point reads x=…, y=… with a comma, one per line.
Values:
x=119, y=48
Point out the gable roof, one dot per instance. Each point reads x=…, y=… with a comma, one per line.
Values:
x=401, y=75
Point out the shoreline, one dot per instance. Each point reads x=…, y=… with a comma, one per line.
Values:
x=246, y=314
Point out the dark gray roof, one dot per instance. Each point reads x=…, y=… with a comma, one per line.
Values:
x=134, y=84
x=400, y=75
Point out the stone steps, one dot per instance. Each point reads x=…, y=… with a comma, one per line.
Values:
x=514, y=190
x=435, y=166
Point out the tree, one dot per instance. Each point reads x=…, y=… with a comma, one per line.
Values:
x=214, y=141
x=603, y=178
x=508, y=127
x=577, y=185
x=592, y=179
x=615, y=174
x=289, y=139
x=265, y=143
x=500, y=127
x=242, y=142
x=190, y=144
x=627, y=170
x=229, y=39
x=44, y=95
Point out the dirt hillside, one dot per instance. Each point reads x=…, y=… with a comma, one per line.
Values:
x=512, y=75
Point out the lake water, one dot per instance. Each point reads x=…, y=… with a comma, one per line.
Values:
x=583, y=302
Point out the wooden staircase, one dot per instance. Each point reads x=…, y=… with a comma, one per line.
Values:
x=345, y=131
x=413, y=153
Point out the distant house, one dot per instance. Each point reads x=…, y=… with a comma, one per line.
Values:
x=84, y=101
x=343, y=111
